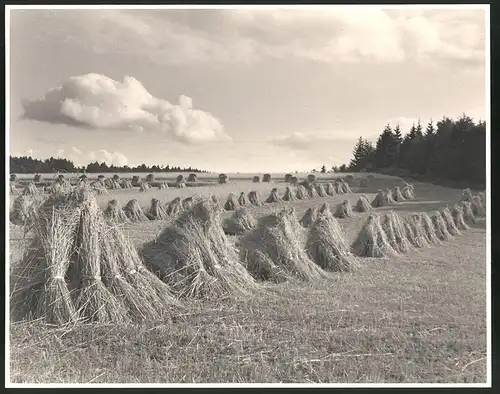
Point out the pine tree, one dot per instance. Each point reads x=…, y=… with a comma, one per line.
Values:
x=358, y=154
x=429, y=131
x=323, y=168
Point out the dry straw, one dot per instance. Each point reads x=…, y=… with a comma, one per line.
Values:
x=330, y=189
x=326, y=244
x=294, y=181
x=467, y=195
x=301, y=193
x=254, y=198
x=309, y=217
x=240, y=222
x=393, y=226
x=266, y=178
x=273, y=196
x=289, y=195
x=440, y=227
x=458, y=217
x=450, y=223
x=243, y=199
x=311, y=178
x=408, y=192
x=311, y=190
x=478, y=207
x=223, y=179
x=13, y=189
x=363, y=205
x=382, y=199
x=144, y=186
x=162, y=185
x=429, y=230
x=98, y=188
x=22, y=210
x=231, y=202
x=187, y=203
x=37, y=178
x=320, y=189
x=339, y=187
x=134, y=211
x=156, y=211
x=126, y=184
x=469, y=216
x=288, y=178
x=344, y=210
x=115, y=213
x=372, y=241
x=174, y=208
x=196, y=258
x=415, y=230
x=192, y=178
x=273, y=251
x=398, y=196
x=135, y=180
x=256, y=179
x=180, y=182
x=150, y=178
x=31, y=189
x=345, y=186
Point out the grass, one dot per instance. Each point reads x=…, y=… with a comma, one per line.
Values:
x=419, y=317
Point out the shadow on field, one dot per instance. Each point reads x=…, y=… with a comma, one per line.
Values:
x=416, y=206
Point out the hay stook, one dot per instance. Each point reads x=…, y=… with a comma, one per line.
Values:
x=344, y=210
x=115, y=213
x=372, y=240
x=134, y=212
x=273, y=196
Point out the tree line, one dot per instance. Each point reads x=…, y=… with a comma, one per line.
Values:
x=450, y=149
x=29, y=165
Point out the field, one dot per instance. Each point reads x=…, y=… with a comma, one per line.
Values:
x=420, y=317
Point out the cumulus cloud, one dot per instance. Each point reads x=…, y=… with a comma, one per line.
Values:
x=95, y=101
x=80, y=157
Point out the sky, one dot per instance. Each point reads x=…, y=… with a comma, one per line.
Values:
x=236, y=90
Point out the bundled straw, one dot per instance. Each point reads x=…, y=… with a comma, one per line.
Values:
x=31, y=189
x=450, y=224
x=467, y=195
x=469, y=216
x=254, y=198
x=339, y=187
x=325, y=208
x=415, y=231
x=311, y=178
x=309, y=217
x=408, y=192
x=125, y=184
x=482, y=196
x=223, y=178
x=135, y=180
x=174, y=208
x=143, y=186
x=382, y=199
x=330, y=190
x=398, y=196
x=187, y=203
x=327, y=246
x=266, y=178
x=180, y=182
x=294, y=181
x=243, y=200
x=163, y=185
x=301, y=193
x=311, y=190
x=273, y=196
x=134, y=211
x=289, y=195
x=240, y=222
x=272, y=251
x=192, y=178
x=115, y=213
x=440, y=227
x=13, y=189
x=477, y=207
x=344, y=210
x=231, y=202
x=363, y=205
x=458, y=217
x=150, y=178
x=196, y=258
x=256, y=179
x=156, y=212
x=22, y=210
x=394, y=228
x=429, y=230
x=320, y=189
x=288, y=178
x=372, y=240
x=345, y=186
x=98, y=188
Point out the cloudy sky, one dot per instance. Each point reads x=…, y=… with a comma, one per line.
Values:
x=235, y=90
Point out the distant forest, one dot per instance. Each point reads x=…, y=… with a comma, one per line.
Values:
x=29, y=165
x=452, y=150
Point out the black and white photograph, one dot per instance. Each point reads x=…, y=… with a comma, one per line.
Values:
x=248, y=195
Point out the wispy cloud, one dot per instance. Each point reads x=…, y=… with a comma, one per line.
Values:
x=97, y=102
x=322, y=35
